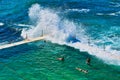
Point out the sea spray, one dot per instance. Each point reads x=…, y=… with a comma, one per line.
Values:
x=50, y=23
x=58, y=31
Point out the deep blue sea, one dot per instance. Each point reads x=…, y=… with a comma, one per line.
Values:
x=75, y=29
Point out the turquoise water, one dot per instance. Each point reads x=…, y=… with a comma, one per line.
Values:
x=70, y=26
x=40, y=63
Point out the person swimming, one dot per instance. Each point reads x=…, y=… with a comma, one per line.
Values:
x=81, y=70
x=88, y=60
x=61, y=58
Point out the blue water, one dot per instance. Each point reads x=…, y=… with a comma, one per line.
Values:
x=69, y=22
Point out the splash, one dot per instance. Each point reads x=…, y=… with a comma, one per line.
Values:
x=47, y=21
x=63, y=31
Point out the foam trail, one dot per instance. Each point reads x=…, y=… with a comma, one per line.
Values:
x=59, y=32
x=79, y=10
x=23, y=25
x=110, y=14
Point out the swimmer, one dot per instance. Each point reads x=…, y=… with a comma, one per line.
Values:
x=60, y=59
x=81, y=70
x=88, y=61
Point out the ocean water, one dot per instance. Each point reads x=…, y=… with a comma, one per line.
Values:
x=75, y=29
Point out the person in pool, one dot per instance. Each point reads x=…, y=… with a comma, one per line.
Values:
x=88, y=60
x=61, y=58
x=81, y=70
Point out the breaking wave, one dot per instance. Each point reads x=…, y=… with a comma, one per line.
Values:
x=63, y=31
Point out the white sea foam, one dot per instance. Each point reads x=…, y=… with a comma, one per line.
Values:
x=1, y=24
x=114, y=14
x=79, y=10
x=110, y=14
x=108, y=56
x=58, y=31
x=24, y=25
x=49, y=22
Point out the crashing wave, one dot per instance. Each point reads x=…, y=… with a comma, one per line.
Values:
x=65, y=32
